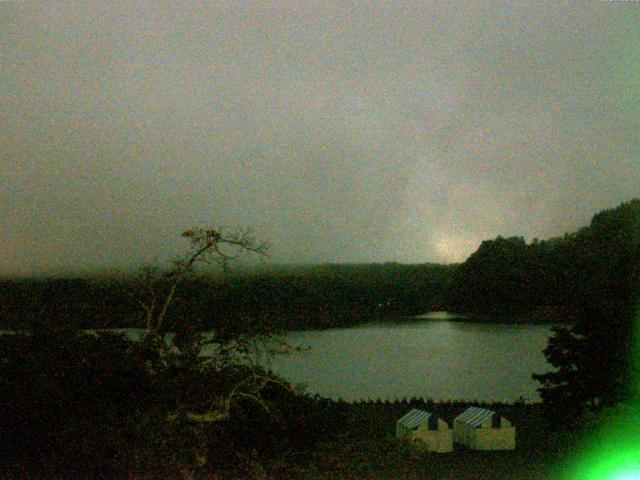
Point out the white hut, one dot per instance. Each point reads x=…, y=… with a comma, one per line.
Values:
x=482, y=429
x=427, y=429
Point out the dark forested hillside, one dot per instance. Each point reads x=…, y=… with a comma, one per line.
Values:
x=576, y=273
x=291, y=298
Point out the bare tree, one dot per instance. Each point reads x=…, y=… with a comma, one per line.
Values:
x=250, y=348
x=207, y=246
x=244, y=354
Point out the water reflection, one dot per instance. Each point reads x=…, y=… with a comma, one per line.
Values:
x=438, y=359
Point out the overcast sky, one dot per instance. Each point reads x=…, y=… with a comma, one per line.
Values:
x=339, y=131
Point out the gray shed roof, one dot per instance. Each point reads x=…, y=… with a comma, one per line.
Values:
x=414, y=418
x=474, y=416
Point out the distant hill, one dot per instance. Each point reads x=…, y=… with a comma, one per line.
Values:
x=571, y=273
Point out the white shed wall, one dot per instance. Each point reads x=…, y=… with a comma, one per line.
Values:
x=440, y=440
x=485, y=437
x=493, y=439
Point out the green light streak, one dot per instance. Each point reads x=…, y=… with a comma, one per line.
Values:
x=610, y=449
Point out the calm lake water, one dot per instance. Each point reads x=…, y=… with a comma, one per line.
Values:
x=436, y=355
x=431, y=356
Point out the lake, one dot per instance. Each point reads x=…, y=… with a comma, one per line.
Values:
x=437, y=355
x=431, y=356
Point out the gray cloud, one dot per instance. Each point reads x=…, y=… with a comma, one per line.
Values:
x=342, y=131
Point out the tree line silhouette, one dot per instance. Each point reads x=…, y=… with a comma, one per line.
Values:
x=561, y=279
x=289, y=298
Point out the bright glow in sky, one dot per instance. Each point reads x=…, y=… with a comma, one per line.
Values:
x=450, y=249
x=340, y=131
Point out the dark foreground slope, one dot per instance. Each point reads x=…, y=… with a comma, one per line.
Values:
x=362, y=446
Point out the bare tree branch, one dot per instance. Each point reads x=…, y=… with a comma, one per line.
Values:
x=207, y=246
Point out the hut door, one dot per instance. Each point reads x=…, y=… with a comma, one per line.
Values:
x=433, y=422
x=496, y=420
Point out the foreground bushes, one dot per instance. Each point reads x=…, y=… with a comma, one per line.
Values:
x=80, y=405
x=71, y=401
